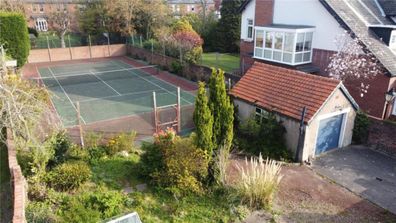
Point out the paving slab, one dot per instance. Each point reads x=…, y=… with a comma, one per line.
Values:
x=365, y=172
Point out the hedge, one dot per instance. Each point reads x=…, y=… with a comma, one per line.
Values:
x=14, y=36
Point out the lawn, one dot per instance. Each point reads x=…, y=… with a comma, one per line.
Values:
x=54, y=40
x=227, y=62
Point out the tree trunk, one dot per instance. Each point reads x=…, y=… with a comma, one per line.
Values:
x=63, y=44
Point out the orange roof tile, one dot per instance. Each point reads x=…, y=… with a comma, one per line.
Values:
x=283, y=90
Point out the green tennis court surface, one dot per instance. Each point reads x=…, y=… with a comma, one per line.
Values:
x=106, y=90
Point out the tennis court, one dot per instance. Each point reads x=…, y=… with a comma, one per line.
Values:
x=107, y=90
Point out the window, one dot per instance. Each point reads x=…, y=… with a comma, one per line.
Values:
x=260, y=114
x=41, y=6
x=192, y=8
x=288, y=46
x=41, y=24
x=249, y=28
x=34, y=8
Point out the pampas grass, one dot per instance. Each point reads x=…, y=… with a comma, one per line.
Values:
x=258, y=181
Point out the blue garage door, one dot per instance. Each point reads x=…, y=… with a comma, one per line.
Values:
x=329, y=133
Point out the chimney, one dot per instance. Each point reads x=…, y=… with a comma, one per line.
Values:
x=264, y=12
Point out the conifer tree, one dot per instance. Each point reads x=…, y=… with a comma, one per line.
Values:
x=222, y=110
x=203, y=120
x=229, y=26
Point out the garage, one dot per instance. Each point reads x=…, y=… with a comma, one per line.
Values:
x=330, y=110
x=329, y=133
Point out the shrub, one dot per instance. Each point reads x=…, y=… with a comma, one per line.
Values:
x=61, y=144
x=77, y=212
x=14, y=35
x=92, y=139
x=34, y=160
x=122, y=142
x=69, y=176
x=107, y=202
x=40, y=212
x=176, y=67
x=33, y=31
x=37, y=191
x=151, y=160
x=77, y=153
x=265, y=136
x=181, y=166
x=361, y=128
x=258, y=181
x=96, y=153
x=152, y=42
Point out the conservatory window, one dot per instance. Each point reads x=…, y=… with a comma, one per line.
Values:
x=288, y=46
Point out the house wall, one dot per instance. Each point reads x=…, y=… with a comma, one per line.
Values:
x=248, y=13
x=337, y=102
x=309, y=12
x=246, y=111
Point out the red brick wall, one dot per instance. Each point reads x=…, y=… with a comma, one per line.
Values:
x=18, y=183
x=246, y=54
x=381, y=136
x=264, y=12
x=75, y=53
x=321, y=59
x=374, y=101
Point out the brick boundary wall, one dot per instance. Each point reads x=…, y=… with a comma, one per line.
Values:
x=190, y=71
x=76, y=53
x=382, y=136
x=18, y=183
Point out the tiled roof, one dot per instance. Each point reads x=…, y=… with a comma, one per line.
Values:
x=389, y=7
x=357, y=16
x=284, y=91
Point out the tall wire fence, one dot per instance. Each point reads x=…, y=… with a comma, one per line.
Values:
x=52, y=40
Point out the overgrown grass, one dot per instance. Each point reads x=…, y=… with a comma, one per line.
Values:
x=116, y=172
x=258, y=181
x=226, y=62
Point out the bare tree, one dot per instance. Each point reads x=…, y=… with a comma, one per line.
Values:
x=353, y=63
x=12, y=6
x=22, y=105
x=60, y=22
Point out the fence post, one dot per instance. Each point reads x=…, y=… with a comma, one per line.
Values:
x=152, y=51
x=141, y=42
x=181, y=56
x=70, y=51
x=49, y=51
x=89, y=40
x=133, y=40
x=108, y=44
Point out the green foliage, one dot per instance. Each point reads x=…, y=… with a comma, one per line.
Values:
x=14, y=35
x=181, y=167
x=222, y=110
x=76, y=212
x=203, y=120
x=152, y=43
x=69, y=176
x=40, y=212
x=96, y=153
x=34, y=160
x=194, y=55
x=60, y=143
x=77, y=153
x=33, y=31
x=91, y=19
x=229, y=26
x=151, y=160
x=264, y=137
x=182, y=25
x=105, y=201
x=92, y=139
x=121, y=142
x=361, y=128
x=241, y=212
x=176, y=67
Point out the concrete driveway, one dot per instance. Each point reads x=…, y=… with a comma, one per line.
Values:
x=367, y=173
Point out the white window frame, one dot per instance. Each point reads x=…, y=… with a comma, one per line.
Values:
x=295, y=32
x=41, y=25
x=392, y=40
x=262, y=113
x=248, y=25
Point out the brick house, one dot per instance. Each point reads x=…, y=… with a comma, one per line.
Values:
x=184, y=7
x=301, y=35
x=37, y=12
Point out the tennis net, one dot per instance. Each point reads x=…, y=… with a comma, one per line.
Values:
x=54, y=80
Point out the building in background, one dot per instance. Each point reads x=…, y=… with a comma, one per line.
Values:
x=38, y=12
x=184, y=7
